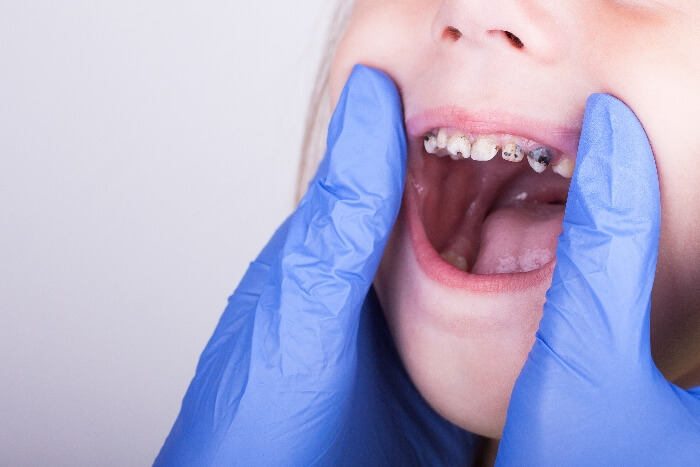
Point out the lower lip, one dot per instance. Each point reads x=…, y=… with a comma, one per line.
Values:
x=439, y=270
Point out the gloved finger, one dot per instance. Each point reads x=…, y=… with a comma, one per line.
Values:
x=274, y=380
x=364, y=124
x=306, y=320
x=337, y=234
x=597, y=308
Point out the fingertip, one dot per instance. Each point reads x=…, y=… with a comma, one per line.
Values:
x=608, y=123
x=606, y=255
x=377, y=80
x=366, y=155
x=372, y=94
x=352, y=203
x=601, y=102
x=615, y=169
x=368, y=74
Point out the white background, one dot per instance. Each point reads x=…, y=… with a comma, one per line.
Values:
x=147, y=152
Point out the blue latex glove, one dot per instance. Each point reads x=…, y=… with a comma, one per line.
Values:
x=589, y=393
x=301, y=369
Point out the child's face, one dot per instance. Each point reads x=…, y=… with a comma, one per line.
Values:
x=463, y=336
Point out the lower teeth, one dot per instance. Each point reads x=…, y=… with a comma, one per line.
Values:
x=457, y=260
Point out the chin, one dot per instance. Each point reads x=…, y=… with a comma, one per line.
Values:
x=463, y=278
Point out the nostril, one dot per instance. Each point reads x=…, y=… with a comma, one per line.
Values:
x=515, y=40
x=451, y=33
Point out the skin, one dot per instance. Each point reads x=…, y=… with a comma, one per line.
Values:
x=463, y=350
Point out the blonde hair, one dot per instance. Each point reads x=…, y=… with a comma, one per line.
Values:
x=319, y=115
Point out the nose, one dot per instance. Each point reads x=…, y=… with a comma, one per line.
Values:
x=498, y=26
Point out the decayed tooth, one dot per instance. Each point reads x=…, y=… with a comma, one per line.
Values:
x=512, y=152
x=458, y=146
x=457, y=260
x=564, y=167
x=442, y=138
x=539, y=159
x=484, y=149
x=430, y=143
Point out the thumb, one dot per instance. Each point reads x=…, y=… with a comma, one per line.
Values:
x=338, y=233
x=274, y=382
x=307, y=317
x=597, y=308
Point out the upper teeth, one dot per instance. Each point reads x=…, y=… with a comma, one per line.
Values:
x=539, y=159
x=442, y=138
x=485, y=147
x=458, y=146
x=564, y=167
x=430, y=143
x=513, y=153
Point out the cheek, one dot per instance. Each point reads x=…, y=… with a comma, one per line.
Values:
x=345, y=58
x=355, y=48
x=652, y=66
x=659, y=83
x=380, y=35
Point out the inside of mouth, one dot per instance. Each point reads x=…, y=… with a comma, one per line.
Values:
x=491, y=217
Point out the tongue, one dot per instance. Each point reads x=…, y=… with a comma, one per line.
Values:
x=519, y=238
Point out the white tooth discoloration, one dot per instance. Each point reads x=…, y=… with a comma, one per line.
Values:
x=564, y=167
x=539, y=159
x=513, y=153
x=458, y=146
x=442, y=138
x=430, y=143
x=455, y=259
x=484, y=149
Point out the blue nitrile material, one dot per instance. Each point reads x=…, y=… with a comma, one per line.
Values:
x=301, y=369
x=589, y=393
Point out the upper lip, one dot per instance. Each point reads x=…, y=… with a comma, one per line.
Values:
x=563, y=138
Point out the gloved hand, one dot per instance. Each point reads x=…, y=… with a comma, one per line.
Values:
x=589, y=393
x=299, y=371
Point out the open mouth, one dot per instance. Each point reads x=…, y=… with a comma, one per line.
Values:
x=489, y=203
